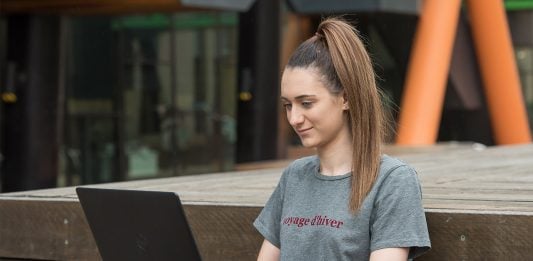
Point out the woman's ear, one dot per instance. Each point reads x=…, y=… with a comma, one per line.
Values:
x=345, y=102
x=345, y=106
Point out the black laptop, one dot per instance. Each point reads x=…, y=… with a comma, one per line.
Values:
x=138, y=225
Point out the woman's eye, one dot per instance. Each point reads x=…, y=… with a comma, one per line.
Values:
x=306, y=104
x=287, y=106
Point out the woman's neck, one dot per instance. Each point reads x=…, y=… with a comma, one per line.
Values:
x=336, y=157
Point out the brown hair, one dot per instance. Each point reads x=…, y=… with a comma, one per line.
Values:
x=338, y=53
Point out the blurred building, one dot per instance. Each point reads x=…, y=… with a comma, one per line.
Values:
x=100, y=92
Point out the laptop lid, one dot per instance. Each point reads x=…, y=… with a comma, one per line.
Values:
x=138, y=225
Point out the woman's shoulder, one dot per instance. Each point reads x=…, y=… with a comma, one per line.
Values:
x=303, y=164
x=389, y=164
x=395, y=169
x=300, y=167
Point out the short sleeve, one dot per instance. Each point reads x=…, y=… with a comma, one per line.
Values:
x=269, y=220
x=398, y=217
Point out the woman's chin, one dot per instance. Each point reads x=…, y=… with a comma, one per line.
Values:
x=308, y=143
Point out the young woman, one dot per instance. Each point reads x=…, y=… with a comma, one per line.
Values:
x=349, y=202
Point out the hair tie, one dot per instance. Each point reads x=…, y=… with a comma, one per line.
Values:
x=318, y=35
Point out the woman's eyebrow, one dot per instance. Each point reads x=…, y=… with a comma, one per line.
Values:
x=305, y=96
x=299, y=97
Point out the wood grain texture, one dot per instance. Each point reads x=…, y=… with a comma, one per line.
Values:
x=54, y=230
x=225, y=232
x=495, y=179
x=456, y=236
x=478, y=202
x=58, y=230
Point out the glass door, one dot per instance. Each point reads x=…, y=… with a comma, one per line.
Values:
x=149, y=96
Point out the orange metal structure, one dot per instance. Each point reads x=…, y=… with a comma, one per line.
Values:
x=427, y=74
x=501, y=81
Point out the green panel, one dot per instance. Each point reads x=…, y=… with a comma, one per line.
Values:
x=182, y=21
x=518, y=4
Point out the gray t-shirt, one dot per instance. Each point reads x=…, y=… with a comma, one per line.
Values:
x=307, y=216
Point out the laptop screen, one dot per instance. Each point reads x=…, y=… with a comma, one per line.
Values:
x=138, y=225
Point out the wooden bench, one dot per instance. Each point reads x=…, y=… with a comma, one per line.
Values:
x=478, y=202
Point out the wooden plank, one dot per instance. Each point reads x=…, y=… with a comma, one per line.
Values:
x=476, y=206
x=295, y=152
x=233, y=188
x=226, y=233
x=456, y=236
x=498, y=177
x=485, y=195
x=54, y=230
x=58, y=230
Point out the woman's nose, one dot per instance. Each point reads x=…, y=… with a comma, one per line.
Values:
x=295, y=118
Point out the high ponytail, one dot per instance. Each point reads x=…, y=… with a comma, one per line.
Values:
x=338, y=53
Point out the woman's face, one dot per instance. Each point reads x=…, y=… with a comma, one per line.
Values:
x=314, y=113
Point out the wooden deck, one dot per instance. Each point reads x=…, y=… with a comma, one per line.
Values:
x=478, y=202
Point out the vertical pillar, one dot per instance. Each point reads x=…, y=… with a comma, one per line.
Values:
x=31, y=137
x=427, y=73
x=258, y=82
x=494, y=49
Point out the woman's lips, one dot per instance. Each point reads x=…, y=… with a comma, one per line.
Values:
x=303, y=131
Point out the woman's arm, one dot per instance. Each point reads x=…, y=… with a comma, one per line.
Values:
x=390, y=254
x=268, y=252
